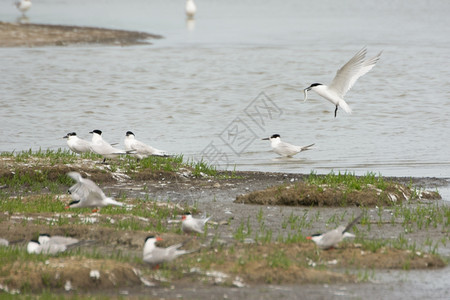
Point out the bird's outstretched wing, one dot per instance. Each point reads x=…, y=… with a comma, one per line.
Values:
x=350, y=72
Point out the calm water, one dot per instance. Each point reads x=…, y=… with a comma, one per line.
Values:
x=198, y=90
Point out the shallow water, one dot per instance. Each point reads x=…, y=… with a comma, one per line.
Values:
x=198, y=90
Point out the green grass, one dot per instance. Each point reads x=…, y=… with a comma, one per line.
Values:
x=349, y=180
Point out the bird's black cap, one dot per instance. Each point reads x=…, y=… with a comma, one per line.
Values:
x=315, y=84
x=96, y=131
x=275, y=136
x=149, y=237
x=129, y=133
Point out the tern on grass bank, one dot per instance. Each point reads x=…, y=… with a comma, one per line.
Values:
x=35, y=247
x=102, y=147
x=285, y=149
x=344, y=80
x=23, y=5
x=139, y=149
x=154, y=255
x=190, y=8
x=56, y=240
x=190, y=224
x=76, y=144
x=4, y=242
x=333, y=237
x=51, y=245
x=85, y=193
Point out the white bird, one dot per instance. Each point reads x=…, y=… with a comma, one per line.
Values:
x=85, y=193
x=344, y=80
x=4, y=242
x=76, y=144
x=285, y=149
x=190, y=8
x=139, y=149
x=23, y=5
x=34, y=247
x=56, y=240
x=102, y=147
x=155, y=255
x=333, y=237
x=190, y=224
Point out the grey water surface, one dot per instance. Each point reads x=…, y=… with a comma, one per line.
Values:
x=214, y=86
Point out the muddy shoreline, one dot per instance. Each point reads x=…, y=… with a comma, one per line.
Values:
x=39, y=35
x=216, y=195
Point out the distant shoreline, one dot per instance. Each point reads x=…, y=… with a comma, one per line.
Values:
x=38, y=35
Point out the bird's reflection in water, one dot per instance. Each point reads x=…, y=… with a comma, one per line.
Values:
x=190, y=24
x=23, y=19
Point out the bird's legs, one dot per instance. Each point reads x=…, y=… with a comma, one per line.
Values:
x=335, y=111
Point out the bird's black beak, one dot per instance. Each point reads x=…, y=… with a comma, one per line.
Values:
x=307, y=89
x=91, y=132
x=65, y=137
x=265, y=139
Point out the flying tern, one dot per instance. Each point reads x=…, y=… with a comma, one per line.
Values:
x=344, y=80
x=333, y=237
x=285, y=149
x=102, y=147
x=190, y=8
x=155, y=255
x=139, y=149
x=190, y=224
x=85, y=193
x=76, y=144
x=23, y=5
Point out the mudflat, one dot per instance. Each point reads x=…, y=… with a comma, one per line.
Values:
x=38, y=35
x=246, y=248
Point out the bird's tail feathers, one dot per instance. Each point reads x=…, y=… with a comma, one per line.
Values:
x=304, y=148
x=345, y=107
x=111, y=201
x=348, y=235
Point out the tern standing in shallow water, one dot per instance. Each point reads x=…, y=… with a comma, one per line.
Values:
x=344, y=80
x=23, y=5
x=190, y=8
x=333, y=237
x=155, y=255
x=285, y=149
x=85, y=193
x=76, y=144
x=139, y=149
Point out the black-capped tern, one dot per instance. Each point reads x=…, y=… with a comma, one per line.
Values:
x=155, y=256
x=85, y=193
x=190, y=224
x=76, y=144
x=285, y=149
x=56, y=239
x=333, y=237
x=100, y=146
x=139, y=149
x=344, y=80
